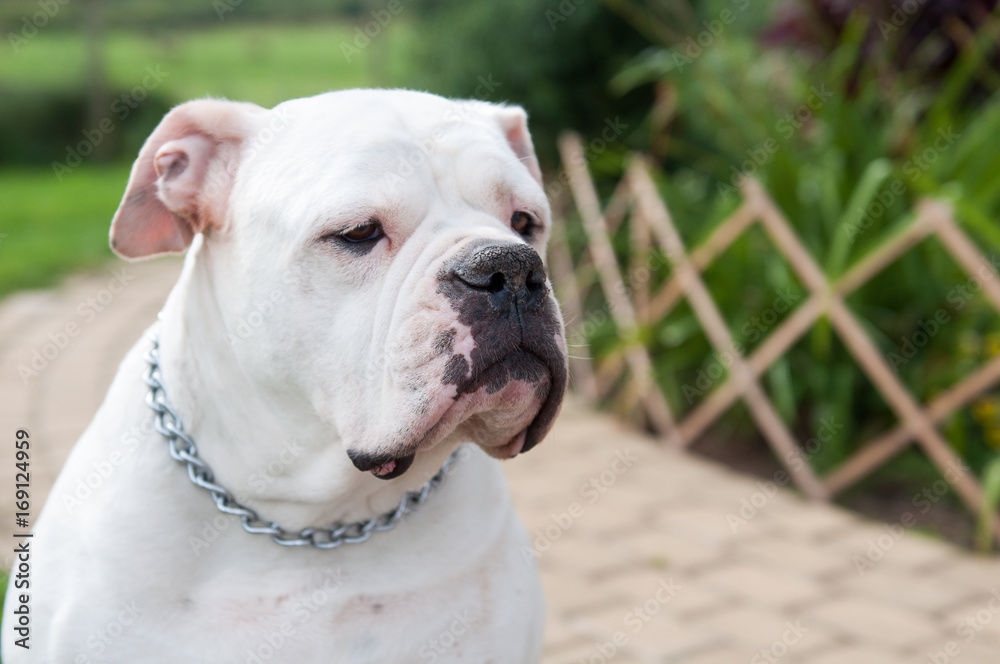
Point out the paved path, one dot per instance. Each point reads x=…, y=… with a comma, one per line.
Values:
x=640, y=560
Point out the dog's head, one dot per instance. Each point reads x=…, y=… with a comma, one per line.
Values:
x=378, y=253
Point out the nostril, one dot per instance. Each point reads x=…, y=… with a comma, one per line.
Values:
x=497, y=283
x=494, y=283
x=535, y=280
x=501, y=269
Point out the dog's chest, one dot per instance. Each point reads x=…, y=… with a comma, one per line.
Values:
x=287, y=619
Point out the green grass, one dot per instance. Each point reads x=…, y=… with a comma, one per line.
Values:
x=51, y=227
x=4, y=579
x=262, y=63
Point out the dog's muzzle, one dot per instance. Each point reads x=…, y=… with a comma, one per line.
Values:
x=499, y=291
x=499, y=357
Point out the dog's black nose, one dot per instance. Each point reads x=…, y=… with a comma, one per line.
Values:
x=505, y=272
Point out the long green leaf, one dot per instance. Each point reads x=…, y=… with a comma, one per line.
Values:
x=857, y=207
x=991, y=502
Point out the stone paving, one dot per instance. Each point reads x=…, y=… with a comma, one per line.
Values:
x=647, y=555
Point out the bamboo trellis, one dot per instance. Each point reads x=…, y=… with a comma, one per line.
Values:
x=651, y=221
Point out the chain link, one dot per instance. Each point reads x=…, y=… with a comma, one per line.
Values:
x=183, y=449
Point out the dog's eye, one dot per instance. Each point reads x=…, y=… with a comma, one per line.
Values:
x=522, y=222
x=366, y=232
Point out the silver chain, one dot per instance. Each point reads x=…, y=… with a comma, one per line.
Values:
x=183, y=449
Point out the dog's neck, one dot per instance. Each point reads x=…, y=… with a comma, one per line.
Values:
x=267, y=446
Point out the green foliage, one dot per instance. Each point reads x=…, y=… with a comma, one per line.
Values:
x=991, y=505
x=53, y=226
x=133, y=14
x=4, y=579
x=552, y=57
x=262, y=63
x=40, y=127
x=845, y=153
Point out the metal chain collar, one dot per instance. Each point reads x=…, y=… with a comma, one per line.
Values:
x=183, y=449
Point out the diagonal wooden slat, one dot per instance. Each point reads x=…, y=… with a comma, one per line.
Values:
x=720, y=239
x=887, y=252
x=869, y=359
x=617, y=207
x=972, y=261
x=880, y=450
x=572, y=306
x=936, y=217
x=639, y=273
x=720, y=399
x=650, y=204
x=571, y=149
x=917, y=422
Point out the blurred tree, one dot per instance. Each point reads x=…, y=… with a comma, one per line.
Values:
x=924, y=36
x=97, y=82
x=554, y=58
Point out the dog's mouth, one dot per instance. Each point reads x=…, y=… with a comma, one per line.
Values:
x=506, y=408
x=382, y=466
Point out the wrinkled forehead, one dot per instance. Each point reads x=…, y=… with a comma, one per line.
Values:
x=378, y=152
x=370, y=132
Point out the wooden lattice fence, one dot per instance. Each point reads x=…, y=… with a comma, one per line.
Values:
x=651, y=222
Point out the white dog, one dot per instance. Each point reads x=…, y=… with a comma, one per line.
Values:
x=364, y=293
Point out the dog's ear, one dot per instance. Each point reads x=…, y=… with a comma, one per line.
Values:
x=513, y=121
x=180, y=182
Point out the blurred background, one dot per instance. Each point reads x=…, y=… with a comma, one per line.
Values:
x=834, y=105
x=846, y=111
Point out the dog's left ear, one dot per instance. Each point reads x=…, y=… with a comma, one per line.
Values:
x=513, y=121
